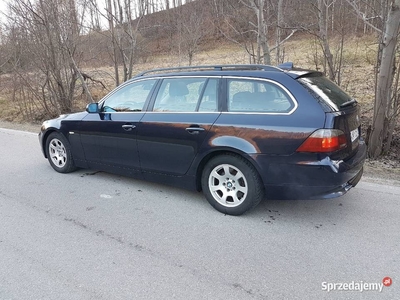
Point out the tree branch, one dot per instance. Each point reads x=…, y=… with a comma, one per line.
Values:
x=362, y=16
x=284, y=40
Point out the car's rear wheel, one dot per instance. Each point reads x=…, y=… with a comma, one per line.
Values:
x=231, y=184
x=59, y=153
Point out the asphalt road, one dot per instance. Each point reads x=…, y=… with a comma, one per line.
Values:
x=92, y=235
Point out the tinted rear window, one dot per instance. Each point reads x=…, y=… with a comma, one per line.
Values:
x=326, y=91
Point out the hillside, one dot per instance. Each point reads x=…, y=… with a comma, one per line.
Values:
x=58, y=66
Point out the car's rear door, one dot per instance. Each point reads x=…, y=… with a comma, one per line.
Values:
x=172, y=131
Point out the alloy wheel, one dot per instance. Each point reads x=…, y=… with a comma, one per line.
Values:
x=57, y=153
x=228, y=185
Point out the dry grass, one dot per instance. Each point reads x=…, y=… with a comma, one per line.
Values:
x=357, y=69
x=358, y=77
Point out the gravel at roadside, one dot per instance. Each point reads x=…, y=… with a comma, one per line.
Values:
x=21, y=126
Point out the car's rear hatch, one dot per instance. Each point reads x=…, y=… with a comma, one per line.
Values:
x=342, y=111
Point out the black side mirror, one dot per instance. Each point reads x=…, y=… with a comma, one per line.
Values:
x=92, y=108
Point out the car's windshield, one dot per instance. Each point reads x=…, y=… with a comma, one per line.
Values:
x=326, y=91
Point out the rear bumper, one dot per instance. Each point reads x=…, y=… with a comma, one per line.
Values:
x=314, y=179
x=339, y=191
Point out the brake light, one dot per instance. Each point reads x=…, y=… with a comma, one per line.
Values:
x=324, y=140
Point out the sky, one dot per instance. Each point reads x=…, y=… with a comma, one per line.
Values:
x=3, y=8
x=3, y=4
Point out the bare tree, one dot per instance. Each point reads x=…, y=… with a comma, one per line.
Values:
x=279, y=26
x=386, y=97
x=190, y=29
x=111, y=28
x=124, y=32
x=235, y=22
x=384, y=20
x=330, y=22
x=323, y=7
x=244, y=22
x=50, y=34
x=263, y=52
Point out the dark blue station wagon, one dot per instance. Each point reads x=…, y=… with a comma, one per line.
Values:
x=239, y=133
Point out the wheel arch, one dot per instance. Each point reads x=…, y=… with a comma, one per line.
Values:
x=227, y=151
x=46, y=136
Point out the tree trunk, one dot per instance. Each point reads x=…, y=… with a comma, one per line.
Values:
x=262, y=40
x=395, y=110
x=110, y=17
x=263, y=34
x=278, y=32
x=384, y=81
x=323, y=36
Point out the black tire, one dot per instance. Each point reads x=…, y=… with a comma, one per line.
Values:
x=59, y=154
x=231, y=184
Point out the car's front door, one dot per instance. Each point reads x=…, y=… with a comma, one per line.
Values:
x=109, y=136
x=170, y=135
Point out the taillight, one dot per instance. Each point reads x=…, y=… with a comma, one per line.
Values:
x=324, y=140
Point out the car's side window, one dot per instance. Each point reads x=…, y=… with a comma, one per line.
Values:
x=179, y=94
x=129, y=98
x=209, y=98
x=257, y=96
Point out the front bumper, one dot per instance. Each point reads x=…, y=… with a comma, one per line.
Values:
x=40, y=136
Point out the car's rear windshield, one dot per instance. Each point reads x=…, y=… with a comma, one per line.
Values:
x=325, y=91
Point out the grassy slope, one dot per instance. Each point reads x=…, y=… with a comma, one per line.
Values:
x=357, y=68
x=357, y=79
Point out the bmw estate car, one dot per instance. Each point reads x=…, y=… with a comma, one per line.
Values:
x=238, y=133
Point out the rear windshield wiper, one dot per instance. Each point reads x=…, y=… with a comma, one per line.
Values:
x=348, y=103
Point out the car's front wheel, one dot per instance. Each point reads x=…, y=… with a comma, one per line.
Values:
x=59, y=153
x=231, y=184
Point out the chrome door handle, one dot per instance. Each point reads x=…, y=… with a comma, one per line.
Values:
x=194, y=130
x=128, y=127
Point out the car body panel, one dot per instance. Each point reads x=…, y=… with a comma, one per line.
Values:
x=115, y=135
x=173, y=147
x=66, y=124
x=169, y=142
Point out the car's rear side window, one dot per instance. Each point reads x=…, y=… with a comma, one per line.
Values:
x=246, y=95
x=179, y=94
x=208, y=101
x=188, y=94
x=325, y=90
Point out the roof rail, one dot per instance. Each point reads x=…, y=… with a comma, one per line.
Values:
x=215, y=68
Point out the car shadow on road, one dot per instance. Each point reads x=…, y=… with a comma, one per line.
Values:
x=316, y=214
x=268, y=211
